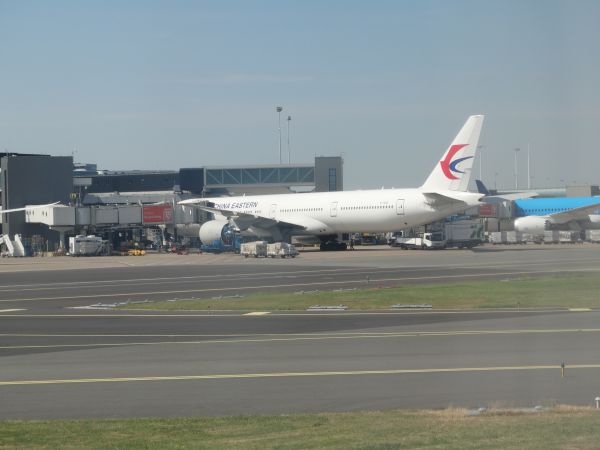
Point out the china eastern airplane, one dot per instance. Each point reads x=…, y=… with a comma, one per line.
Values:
x=567, y=213
x=323, y=216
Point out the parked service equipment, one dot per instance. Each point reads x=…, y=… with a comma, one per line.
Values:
x=86, y=245
x=551, y=237
x=282, y=250
x=5, y=239
x=424, y=241
x=463, y=233
x=506, y=237
x=592, y=235
x=256, y=249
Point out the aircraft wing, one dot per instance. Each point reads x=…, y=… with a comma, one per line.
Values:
x=243, y=221
x=27, y=208
x=581, y=213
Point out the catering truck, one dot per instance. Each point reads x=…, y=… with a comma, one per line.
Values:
x=463, y=233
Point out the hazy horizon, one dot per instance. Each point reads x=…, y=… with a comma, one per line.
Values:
x=387, y=85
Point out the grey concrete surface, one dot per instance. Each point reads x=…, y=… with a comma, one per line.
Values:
x=67, y=282
x=57, y=362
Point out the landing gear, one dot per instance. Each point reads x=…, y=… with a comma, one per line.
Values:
x=333, y=246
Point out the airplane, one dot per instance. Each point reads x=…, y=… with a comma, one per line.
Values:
x=323, y=216
x=537, y=215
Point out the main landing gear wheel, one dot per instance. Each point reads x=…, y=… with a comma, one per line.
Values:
x=333, y=246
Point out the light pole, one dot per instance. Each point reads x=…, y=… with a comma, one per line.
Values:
x=279, y=109
x=528, y=167
x=289, y=119
x=517, y=150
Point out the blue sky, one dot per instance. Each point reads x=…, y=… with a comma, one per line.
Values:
x=163, y=85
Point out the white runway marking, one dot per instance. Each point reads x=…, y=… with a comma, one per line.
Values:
x=266, y=338
x=296, y=374
x=316, y=283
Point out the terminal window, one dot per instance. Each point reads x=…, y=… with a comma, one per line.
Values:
x=333, y=179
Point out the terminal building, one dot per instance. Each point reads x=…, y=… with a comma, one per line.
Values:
x=30, y=179
x=125, y=205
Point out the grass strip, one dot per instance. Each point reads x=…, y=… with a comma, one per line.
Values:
x=575, y=291
x=559, y=427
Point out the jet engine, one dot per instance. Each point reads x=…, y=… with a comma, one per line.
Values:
x=532, y=224
x=216, y=230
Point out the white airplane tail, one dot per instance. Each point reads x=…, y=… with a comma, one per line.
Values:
x=453, y=172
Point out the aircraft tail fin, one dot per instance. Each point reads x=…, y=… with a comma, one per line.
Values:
x=481, y=188
x=453, y=171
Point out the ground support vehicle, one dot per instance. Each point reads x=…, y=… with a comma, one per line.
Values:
x=256, y=249
x=424, y=241
x=463, y=233
x=281, y=250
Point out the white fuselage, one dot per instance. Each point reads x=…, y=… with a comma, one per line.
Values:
x=325, y=213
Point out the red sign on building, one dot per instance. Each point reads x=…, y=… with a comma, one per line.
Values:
x=487, y=210
x=158, y=214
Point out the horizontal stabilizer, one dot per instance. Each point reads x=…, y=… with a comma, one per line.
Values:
x=439, y=201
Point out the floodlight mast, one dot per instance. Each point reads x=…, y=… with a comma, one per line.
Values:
x=289, y=119
x=517, y=150
x=279, y=109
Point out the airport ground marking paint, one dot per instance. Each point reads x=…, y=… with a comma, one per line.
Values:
x=78, y=284
x=267, y=338
x=294, y=374
x=294, y=285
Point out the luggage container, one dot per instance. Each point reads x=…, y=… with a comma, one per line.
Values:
x=282, y=250
x=256, y=249
x=551, y=237
x=85, y=245
x=495, y=237
x=592, y=236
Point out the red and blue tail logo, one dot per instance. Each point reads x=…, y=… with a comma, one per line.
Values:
x=449, y=165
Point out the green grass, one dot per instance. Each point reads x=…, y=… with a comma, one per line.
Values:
x=580, y=291
x=561, y=427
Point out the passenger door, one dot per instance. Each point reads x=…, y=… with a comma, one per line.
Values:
x=400, y=206
x=334, y=209
x=273, y=211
